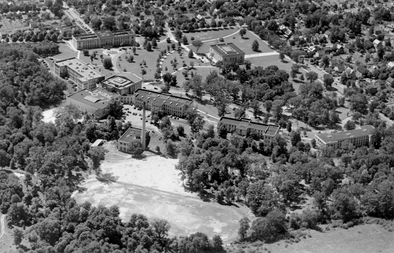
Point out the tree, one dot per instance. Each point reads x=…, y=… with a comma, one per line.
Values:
x=96, y=23
x=197, y=44
x=97, y=154
x=255, y=105
x=255, y=46
x=268, y=105
x=328, y=80
x=288, y=126
x=244, y=225
x=154, y=43
x=171, y=149
x=295, y=138
x=277, y=109
x=281, y=55
x=242, y=32
x=350, y=125
x=107, y=63
x=184, y=40
x=358, y=103
x=148, y=47
x=18, y=236
x=311, y=76
x=109, y=23
x=190, y=54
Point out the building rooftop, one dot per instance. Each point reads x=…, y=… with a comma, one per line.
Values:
x=131, y=134
x=86, y=36
x=344, y=135
x=98, y=98
x=86, y=72
x=122, y=79
x=148, y=95
x=226, y=49
x=267, y=129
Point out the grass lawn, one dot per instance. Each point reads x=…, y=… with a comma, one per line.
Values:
x=65, y=52
x=210, y=34
x=197, y=70
x=8, y=25
x=245, y=44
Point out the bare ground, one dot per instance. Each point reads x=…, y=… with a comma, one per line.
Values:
x=152, y=186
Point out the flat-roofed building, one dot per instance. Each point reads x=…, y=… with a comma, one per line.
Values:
x=358, y=137
x=96, y=102
x=103, y=39
x=83, y=75
x=170, y=104
x=124, y=84
x=247, y=126
x=124, y=143
x=227, y=53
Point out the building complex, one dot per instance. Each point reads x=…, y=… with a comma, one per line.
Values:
x=103, y=39
x=170, y=104
x=358, y=137
x=247, y=126
x=83, y=75
x=227, y=53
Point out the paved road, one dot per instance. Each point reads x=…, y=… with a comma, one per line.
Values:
x=74, y=15
x=2, y=224
x=248, y=56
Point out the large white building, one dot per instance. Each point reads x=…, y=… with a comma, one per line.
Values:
x=246, y=126
x=227, y=53
x=103, y=39
x=358, y=137
x=83, y=75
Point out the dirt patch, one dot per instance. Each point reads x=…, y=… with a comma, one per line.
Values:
x=153, y=187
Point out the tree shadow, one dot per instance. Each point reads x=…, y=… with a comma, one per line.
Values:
x=284, y=61
x=246, y=38
x=107, y=178
x=330, y=88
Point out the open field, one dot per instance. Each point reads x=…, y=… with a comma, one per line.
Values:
x=210, y=34
x=245, y=44
x=361, y=239
x=8, y=25
x=152, y=187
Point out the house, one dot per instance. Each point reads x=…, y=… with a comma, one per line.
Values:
x=361, y=71
x=390, y=82
x=390, y=64
x=358, y=137
x=376, y=43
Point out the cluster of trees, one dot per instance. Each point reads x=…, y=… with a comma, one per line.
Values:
x=24, y=80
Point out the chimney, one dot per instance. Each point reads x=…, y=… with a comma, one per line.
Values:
x=143, y=127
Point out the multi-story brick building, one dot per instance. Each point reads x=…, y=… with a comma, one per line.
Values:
x=83, y=75
x=247, y=126
x=170, y=104
x=358, y=137
x=103, y=39
x=227, y=53
x=124, y=143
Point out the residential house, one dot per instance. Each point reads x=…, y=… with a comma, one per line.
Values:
x=376, y=43
x=390, y=82
x=361, y=71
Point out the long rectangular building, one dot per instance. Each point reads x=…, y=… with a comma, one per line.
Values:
x=169, y=103
x=245, y=126
x=103, y=39
x=358, y=137
x=83, y=75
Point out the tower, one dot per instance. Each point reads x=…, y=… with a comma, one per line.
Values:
x=143, y=141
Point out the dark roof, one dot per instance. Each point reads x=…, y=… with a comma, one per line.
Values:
x=226, y=49
x=362, y=69
x=344, y=135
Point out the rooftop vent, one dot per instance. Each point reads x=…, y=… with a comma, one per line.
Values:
x=329, y=136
